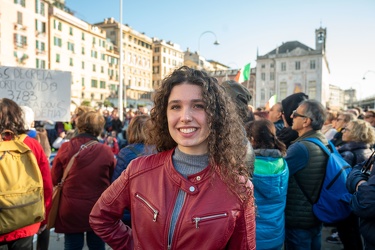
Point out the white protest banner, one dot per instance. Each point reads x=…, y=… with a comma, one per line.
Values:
x=47, y=92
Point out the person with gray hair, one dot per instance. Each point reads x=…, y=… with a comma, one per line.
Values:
x=307, y=164
x=342, y=120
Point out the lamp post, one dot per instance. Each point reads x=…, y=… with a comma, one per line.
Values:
x=199, y=42
x=120, y=89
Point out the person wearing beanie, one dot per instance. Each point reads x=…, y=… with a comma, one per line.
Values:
x=28, y=118
x=241, y=97
x=289, y=104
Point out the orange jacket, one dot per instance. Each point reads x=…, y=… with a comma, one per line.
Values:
x=212, y=216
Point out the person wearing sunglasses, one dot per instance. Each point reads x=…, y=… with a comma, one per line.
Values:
x=306, y=161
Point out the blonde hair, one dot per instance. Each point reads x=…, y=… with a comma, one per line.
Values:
x=361, y=131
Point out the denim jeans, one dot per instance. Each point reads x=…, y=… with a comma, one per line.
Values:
x=303, y=239
x=75, y=241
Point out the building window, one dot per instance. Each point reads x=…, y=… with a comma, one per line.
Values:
x=102, y=69
x=311, y=90
x=283, y=66
x=83, y=82
x=156, y=50
x=102, y=84
x=19, y=18
x=312, y=64
x=20, y=2
x=83, y=36
x=57, y=58
x=298, y=65
x=40, y=64
x=271, y=65
x=40, y=26
x=71, y=31
x=20, y=41
x=83, y=50
x=40, y=46
x=39, y=7
x=71, y=61
x=94, y=83
x=283, y=90
x=272, y=76
x=94, y=67
x=83, y=65
x=263, y=76
x=71, y=46
x=57, y=41
x=263, y=66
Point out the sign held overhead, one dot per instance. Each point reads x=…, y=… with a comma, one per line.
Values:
x=47, y=92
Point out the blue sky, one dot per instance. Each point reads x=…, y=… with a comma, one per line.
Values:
x=244, y=27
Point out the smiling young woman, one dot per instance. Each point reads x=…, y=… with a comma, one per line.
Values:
x=196, y=187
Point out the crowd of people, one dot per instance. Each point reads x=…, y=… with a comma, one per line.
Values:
x=200, y=170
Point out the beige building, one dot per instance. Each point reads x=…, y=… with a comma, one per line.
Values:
x=137, y=62
x=24, y=33
x=196, y=61
x=294, y=67
x=80, y=48
x=167, y=56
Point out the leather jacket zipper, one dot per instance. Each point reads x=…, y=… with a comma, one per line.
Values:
x=196, y=220
x=156, y=212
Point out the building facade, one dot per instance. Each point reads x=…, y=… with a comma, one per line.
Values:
x=80, y=48
x=294, y=67
x=24, y=33
x=167, y=56
x=137, y=62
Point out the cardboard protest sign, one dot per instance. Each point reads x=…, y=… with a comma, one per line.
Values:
x=47, y=92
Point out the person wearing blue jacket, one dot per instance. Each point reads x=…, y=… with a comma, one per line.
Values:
x=270, y=184
x=137, y=139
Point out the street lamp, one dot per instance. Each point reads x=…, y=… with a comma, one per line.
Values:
x=120, y=89
x=199, y=42
x=368, y=71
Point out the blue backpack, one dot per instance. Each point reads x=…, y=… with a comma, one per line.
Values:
x=333, y=204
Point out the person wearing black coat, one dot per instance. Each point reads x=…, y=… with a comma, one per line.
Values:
x=362, y=186
x=289, y=104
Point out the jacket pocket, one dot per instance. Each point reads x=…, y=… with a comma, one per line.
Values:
x=197, y=220
x=148, y=204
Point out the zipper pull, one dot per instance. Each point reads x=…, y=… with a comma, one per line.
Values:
x=155, y=215
x=197, y=220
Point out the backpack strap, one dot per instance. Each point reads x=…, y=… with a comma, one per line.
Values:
x=70, y=164
x=322, y=146
x=326, y=150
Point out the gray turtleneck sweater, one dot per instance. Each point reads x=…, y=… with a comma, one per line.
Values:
x=185, y=165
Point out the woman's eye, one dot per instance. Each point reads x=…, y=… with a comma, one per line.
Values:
x=199, y=106
x=174, y=107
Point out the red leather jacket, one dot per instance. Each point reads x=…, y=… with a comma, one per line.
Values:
x=212, y=216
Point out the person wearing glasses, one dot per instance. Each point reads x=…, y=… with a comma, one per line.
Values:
x=358, y=136
x=290, y=103
x=342, y=120
x=306, y=161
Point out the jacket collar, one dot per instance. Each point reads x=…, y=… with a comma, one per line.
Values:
x=191, y=184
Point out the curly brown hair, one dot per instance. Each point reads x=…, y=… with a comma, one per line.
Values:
x=226, y=155
x=11, y=117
